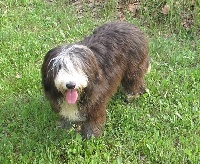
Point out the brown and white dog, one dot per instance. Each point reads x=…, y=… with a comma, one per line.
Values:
x=79, y=79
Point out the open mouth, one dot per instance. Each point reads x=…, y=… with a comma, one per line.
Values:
x=71, y=96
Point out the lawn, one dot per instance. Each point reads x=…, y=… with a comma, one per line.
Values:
x=162, y=126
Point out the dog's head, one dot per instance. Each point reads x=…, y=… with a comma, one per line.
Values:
x=67, y=70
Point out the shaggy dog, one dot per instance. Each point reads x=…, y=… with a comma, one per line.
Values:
x=79, y=79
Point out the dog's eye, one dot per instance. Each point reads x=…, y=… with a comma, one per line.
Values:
x=59, y=67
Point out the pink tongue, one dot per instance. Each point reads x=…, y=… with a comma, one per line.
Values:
x=71, y=96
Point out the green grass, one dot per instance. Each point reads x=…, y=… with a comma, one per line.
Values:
x=160, y=127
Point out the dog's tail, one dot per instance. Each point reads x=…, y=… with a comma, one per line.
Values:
x=149, y=65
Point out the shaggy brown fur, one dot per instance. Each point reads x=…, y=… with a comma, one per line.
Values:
x=115, y=54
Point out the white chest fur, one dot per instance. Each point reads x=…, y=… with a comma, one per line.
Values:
x=70, y=111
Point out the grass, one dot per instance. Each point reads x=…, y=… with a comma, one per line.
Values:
x=160, y=127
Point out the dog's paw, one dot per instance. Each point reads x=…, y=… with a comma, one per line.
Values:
x=63, y=123
x=88, y=131
x=131, y=96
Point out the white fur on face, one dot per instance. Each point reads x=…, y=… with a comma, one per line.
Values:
x=63, y=77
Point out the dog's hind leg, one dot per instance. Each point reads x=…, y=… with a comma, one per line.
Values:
x=133, y=82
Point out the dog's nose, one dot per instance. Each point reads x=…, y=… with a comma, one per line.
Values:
x=71, y=85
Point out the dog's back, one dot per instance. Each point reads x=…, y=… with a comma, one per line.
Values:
x=115, y=41
x=121, y=50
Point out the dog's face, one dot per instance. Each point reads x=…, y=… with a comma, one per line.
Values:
x=68, y=70
x=70, y=79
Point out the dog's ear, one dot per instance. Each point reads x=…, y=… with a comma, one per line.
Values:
x=44, y=84
x=94, y=71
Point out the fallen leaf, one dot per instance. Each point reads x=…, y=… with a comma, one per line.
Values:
x=165, y=9
x=133, y=7
x=18, y=76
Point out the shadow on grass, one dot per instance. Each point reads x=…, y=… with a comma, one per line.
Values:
x=29, y=125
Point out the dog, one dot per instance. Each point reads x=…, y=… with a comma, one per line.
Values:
x=79, y=79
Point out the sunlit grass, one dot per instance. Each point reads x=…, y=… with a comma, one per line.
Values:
x=160, y=127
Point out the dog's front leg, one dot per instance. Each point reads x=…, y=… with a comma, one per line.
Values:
x=94, y=125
